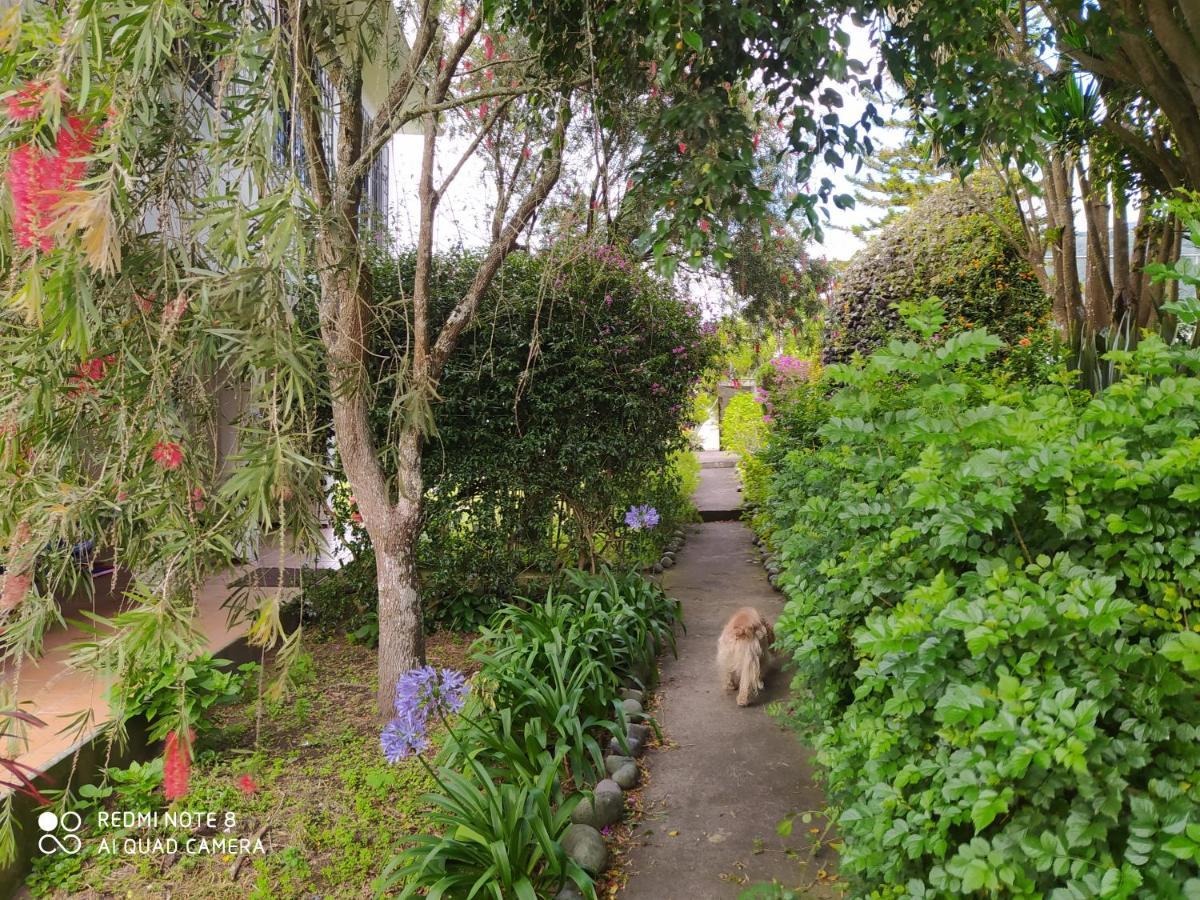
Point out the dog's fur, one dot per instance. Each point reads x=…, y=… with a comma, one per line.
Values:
x=744, y=653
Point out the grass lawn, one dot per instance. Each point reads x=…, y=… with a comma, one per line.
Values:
x=327, y=806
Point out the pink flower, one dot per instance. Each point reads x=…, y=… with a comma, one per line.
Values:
x=704, y=226
x=768, y=419
x=356, y=517
x=682, y=147
x=247, y=786
x=198, y=499
x=167, y=454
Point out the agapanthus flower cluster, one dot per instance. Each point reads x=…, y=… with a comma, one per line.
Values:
x=421, y=694
x=642, y=517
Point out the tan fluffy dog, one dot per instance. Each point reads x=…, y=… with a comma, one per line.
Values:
x=744, y=653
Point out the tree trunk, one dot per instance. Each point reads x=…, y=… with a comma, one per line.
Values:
x=1098, y=288
x=402, y=642
x=1120, y=252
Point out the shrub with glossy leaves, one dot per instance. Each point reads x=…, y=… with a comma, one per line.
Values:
x=955, y=244
x=992, y=603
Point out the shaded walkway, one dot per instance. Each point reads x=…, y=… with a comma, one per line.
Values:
x=727, y=775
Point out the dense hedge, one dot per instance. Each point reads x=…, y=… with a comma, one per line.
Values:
x=955, y=244
x=992, y=607
x=562, y=407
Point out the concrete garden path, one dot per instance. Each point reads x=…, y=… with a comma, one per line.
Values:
x=727, y=776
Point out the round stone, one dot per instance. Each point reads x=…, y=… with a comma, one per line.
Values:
x=632, y=694
x=656, y=568
x=666, y=562
x=626, y=776
x=584, y=844
x=615, y=762
x=639, y=733
x=631, y=707
x=606, y=805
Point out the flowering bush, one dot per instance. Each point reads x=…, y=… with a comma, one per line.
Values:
x=991, y=607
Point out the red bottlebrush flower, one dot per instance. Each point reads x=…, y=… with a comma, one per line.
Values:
x=198, y=499
x=16, y=588
x=526, y=152
x=247, y=786
x=37, y=179
x=167, y=454
x=145, y=302
x=26, y=103
x=177, y=767
x=483, y=110
x=174, y=310
x=489, y=47
x=682, y=147
x=704, y=226
x=93, y=369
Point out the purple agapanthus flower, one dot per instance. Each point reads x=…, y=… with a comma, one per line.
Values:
x=420, y=694
x=641, y=517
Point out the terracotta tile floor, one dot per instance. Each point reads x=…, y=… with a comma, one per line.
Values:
x=52, y=690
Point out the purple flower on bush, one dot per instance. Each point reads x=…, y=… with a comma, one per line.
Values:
x=608, y=299
x=421, y=693
x=680, y=350
x=768, y=419
x=641, y=517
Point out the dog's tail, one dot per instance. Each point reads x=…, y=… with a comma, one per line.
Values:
x=750, y=673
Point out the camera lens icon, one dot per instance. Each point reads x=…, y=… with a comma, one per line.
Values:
x=50, y=822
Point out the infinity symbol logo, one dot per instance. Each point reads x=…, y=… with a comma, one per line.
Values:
x=70, y=843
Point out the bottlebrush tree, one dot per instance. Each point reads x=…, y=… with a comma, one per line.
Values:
x=172, y=187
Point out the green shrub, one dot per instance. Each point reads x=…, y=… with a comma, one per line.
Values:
x=176, y=694
x=954, y=244
x=990, y=590
x=742, y=425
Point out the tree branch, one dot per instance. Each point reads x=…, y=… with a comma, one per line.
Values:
x=465, y=309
